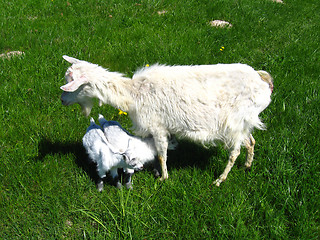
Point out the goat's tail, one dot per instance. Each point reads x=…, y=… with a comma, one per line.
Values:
x=265, y=76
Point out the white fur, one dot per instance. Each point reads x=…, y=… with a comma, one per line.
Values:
x=107, y=157
x=203, y=103
x=139, y=151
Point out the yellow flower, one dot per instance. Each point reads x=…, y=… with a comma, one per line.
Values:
x=222, y=48
x=122, y=112
x=147, y=65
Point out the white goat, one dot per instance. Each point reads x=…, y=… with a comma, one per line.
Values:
x=107, y=157
x=139, y=151
x=203, y=103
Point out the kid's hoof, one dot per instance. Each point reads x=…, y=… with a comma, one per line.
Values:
x=100, y=186
x=118, y=185
x=156, y=173
x=129, y=186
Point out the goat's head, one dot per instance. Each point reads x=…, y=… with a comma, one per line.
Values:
x=78, y=88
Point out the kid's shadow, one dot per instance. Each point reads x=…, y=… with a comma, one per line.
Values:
x=48, y=147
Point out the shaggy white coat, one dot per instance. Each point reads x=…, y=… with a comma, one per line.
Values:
x=202, y=103
x=106, y=156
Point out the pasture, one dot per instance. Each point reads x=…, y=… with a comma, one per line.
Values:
x=47, y=187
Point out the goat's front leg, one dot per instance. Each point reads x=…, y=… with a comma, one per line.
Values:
x=249, y=143
x=101, y=174
x=100, y=185
x=232, y=158
x=115, y=178
x=128, y=177
x=161, y=143
x=163, y=164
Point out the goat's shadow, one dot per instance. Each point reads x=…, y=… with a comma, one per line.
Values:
x=49, y=147
x=190, y=154
x=187, y=154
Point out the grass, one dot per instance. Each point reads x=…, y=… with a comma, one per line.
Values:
x=47, y=189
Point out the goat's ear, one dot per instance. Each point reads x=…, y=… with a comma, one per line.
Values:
x=102, y=120
x=71, y=59
x=73, y=85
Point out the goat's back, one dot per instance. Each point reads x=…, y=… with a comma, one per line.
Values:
x=135, y=147
x=95, y=144
x=204, y=102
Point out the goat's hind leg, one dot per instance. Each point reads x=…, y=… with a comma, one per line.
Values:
x=249, y=144
x=232, y=158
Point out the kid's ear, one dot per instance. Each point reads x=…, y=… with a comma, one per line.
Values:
x=102, y=120
x=92, y=121
x=71, y=59
x=73, y=85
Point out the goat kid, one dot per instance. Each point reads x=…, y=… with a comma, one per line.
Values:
x=107, y=157
x=139, y=151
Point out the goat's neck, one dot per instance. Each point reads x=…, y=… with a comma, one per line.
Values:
x=114, y=89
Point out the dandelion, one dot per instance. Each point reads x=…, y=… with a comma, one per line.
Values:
x=222, y=48
x=147, y=65
x=122, y=112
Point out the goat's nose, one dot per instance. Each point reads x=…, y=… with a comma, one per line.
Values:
x=62, y=101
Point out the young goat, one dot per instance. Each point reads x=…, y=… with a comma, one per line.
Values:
x=107, y=157
x=139, y=151
x=204, y=103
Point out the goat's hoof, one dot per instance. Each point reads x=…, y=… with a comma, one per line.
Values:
x=156, y=173
x=118, y=185
x=163, y=178
x=217, y=182
x=129, y=186
x=100, y=186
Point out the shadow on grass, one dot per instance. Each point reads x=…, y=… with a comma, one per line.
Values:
x=187, y=154
x=48, y=147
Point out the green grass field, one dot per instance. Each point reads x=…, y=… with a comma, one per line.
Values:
x=47, y=189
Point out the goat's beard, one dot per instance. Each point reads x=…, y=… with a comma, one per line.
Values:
x=86, y=107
